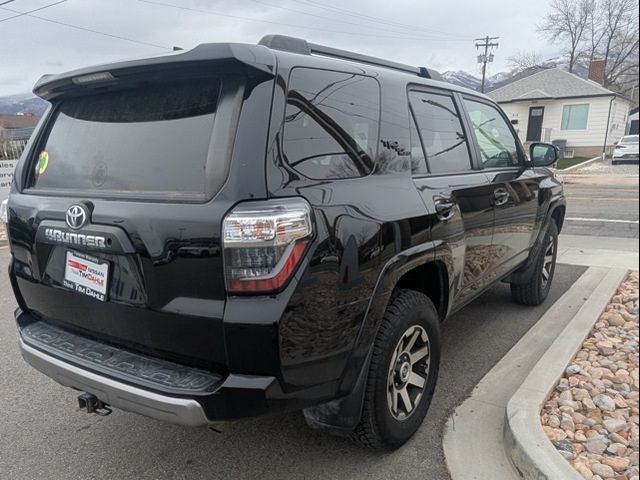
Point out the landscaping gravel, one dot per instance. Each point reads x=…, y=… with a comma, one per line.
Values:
x=592, y=415
x=3, y=233
x=606, y=168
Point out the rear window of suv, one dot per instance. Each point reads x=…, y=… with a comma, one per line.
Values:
x=148, y=141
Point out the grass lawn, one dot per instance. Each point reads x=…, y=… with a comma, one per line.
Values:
x=570, y=162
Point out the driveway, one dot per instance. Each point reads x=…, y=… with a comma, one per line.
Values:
x=43, y=435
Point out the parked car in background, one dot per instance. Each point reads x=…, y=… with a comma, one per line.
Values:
x=240, y=229
x=3, y=210
x=626, y=150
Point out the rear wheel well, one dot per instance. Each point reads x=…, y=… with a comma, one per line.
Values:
x=430, y=279
x=558, y=216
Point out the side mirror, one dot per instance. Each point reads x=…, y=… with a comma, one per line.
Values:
x=543, y=154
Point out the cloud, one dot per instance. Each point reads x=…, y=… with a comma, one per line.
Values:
x=436, y=34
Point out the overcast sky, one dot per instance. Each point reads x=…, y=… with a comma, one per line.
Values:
x=435, y=33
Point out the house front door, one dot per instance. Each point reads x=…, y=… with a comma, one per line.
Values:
x=534, y=127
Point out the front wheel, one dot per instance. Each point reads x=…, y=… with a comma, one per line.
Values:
x=402, y=374
x=536, y=288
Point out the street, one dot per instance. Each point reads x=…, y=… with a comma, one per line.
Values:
x=602, y=210
x=602, y=200
x=38, y=413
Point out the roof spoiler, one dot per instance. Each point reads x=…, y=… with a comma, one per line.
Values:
x=301, y=46
x=232, y=57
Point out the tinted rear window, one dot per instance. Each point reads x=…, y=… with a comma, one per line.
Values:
x=331, y=124
x=151, y=141
x=440, y=128
x=629, y=140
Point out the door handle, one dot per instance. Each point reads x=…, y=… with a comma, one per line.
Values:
x=445, y=208
x=500, y=196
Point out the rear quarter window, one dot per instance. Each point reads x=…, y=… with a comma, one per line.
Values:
x=331, y=124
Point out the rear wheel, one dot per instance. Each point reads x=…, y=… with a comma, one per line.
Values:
x=536, y=288
x=403, y=371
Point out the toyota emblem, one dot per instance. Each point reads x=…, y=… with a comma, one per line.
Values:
x=77, y=216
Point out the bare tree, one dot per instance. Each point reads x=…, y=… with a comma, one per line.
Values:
x=568, y=22
x=614, y=38
x=523, y=60
x=595, y=32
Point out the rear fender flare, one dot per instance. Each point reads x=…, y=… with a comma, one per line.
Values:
x=342, y=415
x=523, y=273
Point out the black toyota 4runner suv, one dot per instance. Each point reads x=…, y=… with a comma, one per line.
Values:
x=240, y=229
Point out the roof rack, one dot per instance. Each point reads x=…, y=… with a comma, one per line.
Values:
x=301, y=46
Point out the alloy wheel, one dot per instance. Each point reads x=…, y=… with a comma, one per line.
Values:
x=408, y=372
x=547, y=265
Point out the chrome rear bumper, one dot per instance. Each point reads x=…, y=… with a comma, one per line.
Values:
x=181, y=411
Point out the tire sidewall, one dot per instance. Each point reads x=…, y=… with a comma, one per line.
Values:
x=551, y=232
x=396, y=432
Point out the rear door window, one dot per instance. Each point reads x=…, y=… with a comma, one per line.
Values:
x=440, y=130
x=331, y=124
x=152, y=141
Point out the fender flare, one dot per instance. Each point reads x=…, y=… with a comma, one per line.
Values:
x=342, y=415
x=523, y=273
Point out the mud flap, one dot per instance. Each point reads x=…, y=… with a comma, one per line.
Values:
x=340, y=417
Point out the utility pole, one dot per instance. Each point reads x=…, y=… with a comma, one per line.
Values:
x=486, y=57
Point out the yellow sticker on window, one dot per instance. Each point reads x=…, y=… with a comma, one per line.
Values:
x=43, y=162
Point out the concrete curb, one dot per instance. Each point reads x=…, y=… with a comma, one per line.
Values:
x=525, y=442
x=580, y=165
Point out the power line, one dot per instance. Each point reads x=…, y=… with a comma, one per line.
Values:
x=30, y=11
x=346, y=21
x=240, y=17
x=486, y=57
x=85, y=29
x=370, y=18
x=8, y=1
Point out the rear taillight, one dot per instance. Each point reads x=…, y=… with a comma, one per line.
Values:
x=264, y=243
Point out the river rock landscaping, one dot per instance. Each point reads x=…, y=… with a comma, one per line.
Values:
x=591, y=416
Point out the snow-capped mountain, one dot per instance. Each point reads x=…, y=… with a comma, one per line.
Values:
x=462, y=78
x=22, y=103
x=465, y=79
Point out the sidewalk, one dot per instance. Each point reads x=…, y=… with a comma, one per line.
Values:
x=474, y=443
x=590, y=251
x=617, y=180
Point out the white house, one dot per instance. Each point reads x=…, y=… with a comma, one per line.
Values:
x=553, y=104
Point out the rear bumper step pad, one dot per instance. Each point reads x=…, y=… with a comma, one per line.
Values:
x=141, y=370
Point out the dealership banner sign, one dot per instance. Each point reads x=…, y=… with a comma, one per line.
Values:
x=6, y=175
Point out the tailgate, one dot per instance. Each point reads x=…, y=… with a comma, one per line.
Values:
x=115, y=218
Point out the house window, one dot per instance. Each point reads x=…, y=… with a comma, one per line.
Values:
x=574, y=117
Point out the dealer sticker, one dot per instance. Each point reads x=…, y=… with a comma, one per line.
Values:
x=86, y=275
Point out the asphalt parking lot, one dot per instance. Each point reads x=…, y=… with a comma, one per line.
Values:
x=43, y=435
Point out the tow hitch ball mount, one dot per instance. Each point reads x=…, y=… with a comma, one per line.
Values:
x=92, y=404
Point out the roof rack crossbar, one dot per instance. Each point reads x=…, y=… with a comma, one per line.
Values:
x=298, y=45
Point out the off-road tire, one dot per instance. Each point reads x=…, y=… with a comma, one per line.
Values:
x=535, y=289
x=378, y=428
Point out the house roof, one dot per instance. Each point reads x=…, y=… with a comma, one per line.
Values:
x=548, y=84
x=18, y=121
